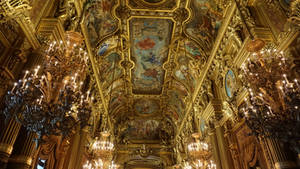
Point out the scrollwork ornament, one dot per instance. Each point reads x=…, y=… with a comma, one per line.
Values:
x=295, y=13
x=13, y=9
x=181, y=14
x=123, y=12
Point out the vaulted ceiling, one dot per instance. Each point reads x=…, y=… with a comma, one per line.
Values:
x=147, y=57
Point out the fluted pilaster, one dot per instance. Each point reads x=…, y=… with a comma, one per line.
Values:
x=8, y=137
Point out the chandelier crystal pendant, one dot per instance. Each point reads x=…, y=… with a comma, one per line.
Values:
x=53, y=99
x=272, y=109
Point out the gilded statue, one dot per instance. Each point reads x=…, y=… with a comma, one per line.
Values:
x=66, y=12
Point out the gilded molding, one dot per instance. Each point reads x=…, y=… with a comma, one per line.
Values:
x=218, y=41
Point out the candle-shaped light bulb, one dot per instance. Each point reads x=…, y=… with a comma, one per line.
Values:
x=24, y=82
x=26, y=73
x=36, y=70
x=65, y=83
x=40, y=101
x=246, y=114
x=284, y=75
x=296, y=81
x=87, y=96
x=15, y=84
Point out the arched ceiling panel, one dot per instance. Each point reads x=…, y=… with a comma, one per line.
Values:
x=98, y=19
x=205, y=22
x=149, y=55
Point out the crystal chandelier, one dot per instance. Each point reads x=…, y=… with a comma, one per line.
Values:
x=200, y=154
x=53, y=99
x=198, y=149
x=102, y=147
x=200, y=164
x=100, y=150
x=98, y=164
x=93, y=164
x=272, y=109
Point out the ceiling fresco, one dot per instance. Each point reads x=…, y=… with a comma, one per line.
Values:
x=99, y=20
x=205, y=23
x=160, y=54
x=148, y=56
x=146, y=106
x=150, y=38
x=142, y=129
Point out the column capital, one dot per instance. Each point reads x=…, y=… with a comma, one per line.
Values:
x=285, y=165
x=6, y=148
x=21, y=159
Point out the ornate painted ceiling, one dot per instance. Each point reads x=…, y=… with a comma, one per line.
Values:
x=147, y=57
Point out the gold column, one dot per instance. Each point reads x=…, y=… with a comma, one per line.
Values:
x=215, y=148
x=279, y=155
x=81, y=148
x=223, y=148
x=8, y=137
x=22, y=157
x=73, y=158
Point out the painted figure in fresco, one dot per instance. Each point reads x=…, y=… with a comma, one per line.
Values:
x=173, y=114
x=141, y=129
x=208, y=21
x=146, y=106
x=176, y=101
x=146, y=44
x=151, y=58
x=103, y=49
x=230, y=83
x=109, y=66
x=98, y=19
x=192, y=49
x=150, y=72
